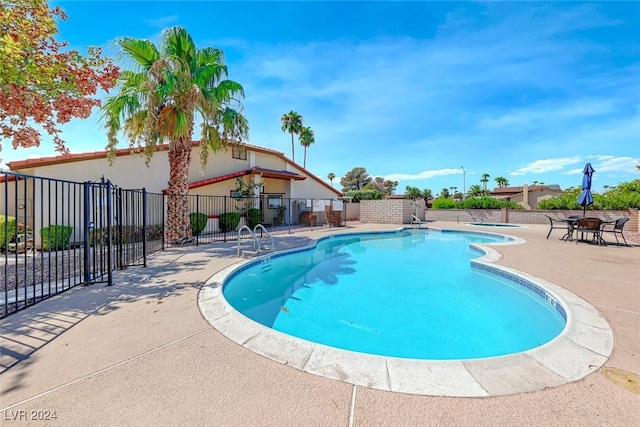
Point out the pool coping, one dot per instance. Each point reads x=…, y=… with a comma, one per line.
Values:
x=584, y=345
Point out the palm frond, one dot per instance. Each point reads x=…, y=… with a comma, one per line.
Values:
x=142, y=52
x=177, y=42
x=228, y=89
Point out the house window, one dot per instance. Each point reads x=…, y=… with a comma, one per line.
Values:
x=239, y=152
x=275, y=201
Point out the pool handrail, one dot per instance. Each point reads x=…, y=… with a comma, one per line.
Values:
x=256, y=243
x=416, y=221
x=261, y=227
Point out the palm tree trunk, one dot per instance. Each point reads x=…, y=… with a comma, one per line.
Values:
x=293, y=155
x=178, y=225
x=305, y=158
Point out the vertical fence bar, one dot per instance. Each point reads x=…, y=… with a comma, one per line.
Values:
x=197, y=219
x=144, y=227
x=119, y=218
x=87, y=230
x=164, y=203
x=109, y=241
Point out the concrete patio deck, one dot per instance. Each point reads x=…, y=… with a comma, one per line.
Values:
x=140, y=353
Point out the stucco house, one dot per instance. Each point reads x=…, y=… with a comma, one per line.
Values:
x=284, y=182
x=527, y=196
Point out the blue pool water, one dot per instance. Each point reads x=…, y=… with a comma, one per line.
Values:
x=409, y=294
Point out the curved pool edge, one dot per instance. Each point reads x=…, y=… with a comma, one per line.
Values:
x=581, y=348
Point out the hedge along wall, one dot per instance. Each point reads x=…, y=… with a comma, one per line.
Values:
x=466, y=215
x=527, y=217
x=391, y=211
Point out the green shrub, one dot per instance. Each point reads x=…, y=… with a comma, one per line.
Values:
x=443, y=203
x=198, y=222
x=363, y=195
x=55, y=237
x=10, y=223
x=254, y=217
x=486, y=202
x=229, y=221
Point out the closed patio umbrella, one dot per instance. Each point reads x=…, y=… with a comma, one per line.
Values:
x=585, y=198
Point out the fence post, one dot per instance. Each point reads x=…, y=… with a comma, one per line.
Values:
x=87, y=231
x=109, y=232
x=198, y=219
x=164, y=204
x=120, y=208
x=144, y=227
x=224, y=233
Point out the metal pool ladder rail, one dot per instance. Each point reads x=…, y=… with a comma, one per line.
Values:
x=415, y=221
x=256, y=243
x=269, y=237
x=257, y=247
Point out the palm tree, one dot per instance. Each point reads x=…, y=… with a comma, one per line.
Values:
x=331, y=177
x=159, y=101
x=502, y=182
x=292, y=123
x=475, y=191
x=306, y=139
x=484, y=179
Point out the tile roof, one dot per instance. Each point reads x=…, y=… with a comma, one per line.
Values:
x=92, y=155
x=54, y=160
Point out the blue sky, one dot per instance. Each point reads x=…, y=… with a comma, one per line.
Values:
x=411, y=91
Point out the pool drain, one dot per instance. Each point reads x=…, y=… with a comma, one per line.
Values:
x=623, y=378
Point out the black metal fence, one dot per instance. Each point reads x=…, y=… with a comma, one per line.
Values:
x=57, y=234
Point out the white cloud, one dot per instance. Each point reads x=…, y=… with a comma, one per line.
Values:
x=547, y=165
x=616, y=164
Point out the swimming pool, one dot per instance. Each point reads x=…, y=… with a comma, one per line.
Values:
x=410, y=294
x=582, y=347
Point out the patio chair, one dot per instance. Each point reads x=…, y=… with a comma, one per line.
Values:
x=616, y=228
x=558, y=224
x=589, y=225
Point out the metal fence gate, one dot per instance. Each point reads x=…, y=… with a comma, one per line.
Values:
x=57, y=234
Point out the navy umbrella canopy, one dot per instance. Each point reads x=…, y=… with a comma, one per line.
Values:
x=586, y=198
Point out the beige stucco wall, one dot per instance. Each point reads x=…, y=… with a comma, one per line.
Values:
x=268, y=161
x=130, y=172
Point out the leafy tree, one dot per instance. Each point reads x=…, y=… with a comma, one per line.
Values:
x=292, y=123
x=331, y=177
x=390, y=186
x=384, y=186
x=444, y=193
x=475, y=191
x=484, y=179
x=356, y=179
x=502, y=182
x=426, y=194
x=40, y=84
x=306, y=139
x=159, y=100
x=412, y=193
